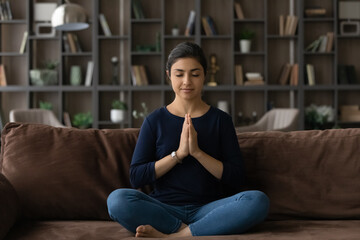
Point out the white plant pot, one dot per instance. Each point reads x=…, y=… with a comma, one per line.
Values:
x=175, y=31
x=245, y=45
x=117, y=115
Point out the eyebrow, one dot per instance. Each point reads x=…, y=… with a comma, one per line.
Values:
x=192, y=70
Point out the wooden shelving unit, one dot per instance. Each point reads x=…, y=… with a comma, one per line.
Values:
x=269, y=52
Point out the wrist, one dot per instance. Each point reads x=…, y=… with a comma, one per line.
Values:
x=175, y=157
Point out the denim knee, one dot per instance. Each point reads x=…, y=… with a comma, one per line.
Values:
x=261, y=202
x=117, y=200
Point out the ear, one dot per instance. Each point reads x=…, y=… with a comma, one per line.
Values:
x=168, y=76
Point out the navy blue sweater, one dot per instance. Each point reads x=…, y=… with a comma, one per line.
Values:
x=188, y=183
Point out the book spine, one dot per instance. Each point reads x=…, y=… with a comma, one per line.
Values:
x=104, y=25
x=190, y=24
x=23, y=43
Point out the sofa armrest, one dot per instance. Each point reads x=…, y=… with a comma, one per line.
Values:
x=9, y=206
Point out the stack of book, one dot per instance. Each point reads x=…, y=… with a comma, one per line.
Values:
x=324, y=43
x=288, y=26
x=289, y=74
x=138, y=75
x=254, y=78
x=315, y=12
x=5, y=10
x=209, y=26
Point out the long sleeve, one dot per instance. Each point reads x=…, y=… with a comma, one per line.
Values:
x=142, y=168
x=234, y=172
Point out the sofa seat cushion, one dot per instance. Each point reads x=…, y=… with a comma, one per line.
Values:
x=45, y=230
x=65, y=173
x=269, y=230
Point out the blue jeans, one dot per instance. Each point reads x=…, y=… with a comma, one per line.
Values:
x=231, y=215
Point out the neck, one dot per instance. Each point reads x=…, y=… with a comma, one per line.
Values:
x=180, y=107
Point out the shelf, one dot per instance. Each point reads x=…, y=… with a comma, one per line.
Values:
x=269, y=53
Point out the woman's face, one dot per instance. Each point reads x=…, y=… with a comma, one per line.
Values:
x=187, y=78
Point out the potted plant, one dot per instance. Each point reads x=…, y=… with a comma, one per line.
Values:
x=47, y=75
x=175, y=30
x=45, y=105
x=246, y=36
x=142, y=114
x=117, y=113
x=82, y=120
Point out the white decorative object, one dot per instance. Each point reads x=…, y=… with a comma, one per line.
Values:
x=175, y=31
x=42, y=18
x=351, y=28
x=44, y=30
x=44, y=11
x=117, y=115
x=245, y=45
x=223, y=105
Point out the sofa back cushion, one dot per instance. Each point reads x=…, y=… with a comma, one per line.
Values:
x=65, y=173
x=306, y=174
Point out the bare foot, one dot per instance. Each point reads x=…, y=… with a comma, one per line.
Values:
x=148, y=231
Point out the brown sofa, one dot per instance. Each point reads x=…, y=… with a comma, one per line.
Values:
x=54, y=182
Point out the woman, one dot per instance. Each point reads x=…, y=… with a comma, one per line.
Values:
x=189, y=151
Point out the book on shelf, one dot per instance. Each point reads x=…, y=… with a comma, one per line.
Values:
x=66, y=44
x=294, y=75
x=77, y=43
x=104, y=25
x=330, y=41
x=254, y=81
x=71, y=41
x=324, y=43
x=137, y=9
x=238, y=10
x=89, y=73
x=5, y=10
x=190, y=26
x=139, y=76
x=212, y=25
x=281, y=25
x=67, y=120
x=23, y=42
x=310, y=74
x=347, y=74
x=288, y=25
x=315, y=12
x=239, y=75
x=254, y=78
x=3, y=81
x=285, y=74
x=206, y=26
x=314, y=46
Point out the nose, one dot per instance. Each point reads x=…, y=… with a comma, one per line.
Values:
x=187, y=78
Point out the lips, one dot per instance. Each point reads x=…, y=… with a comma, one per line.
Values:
x=186, y=90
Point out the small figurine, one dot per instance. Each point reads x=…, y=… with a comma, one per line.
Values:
x=213, y=70
x=115, y=77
